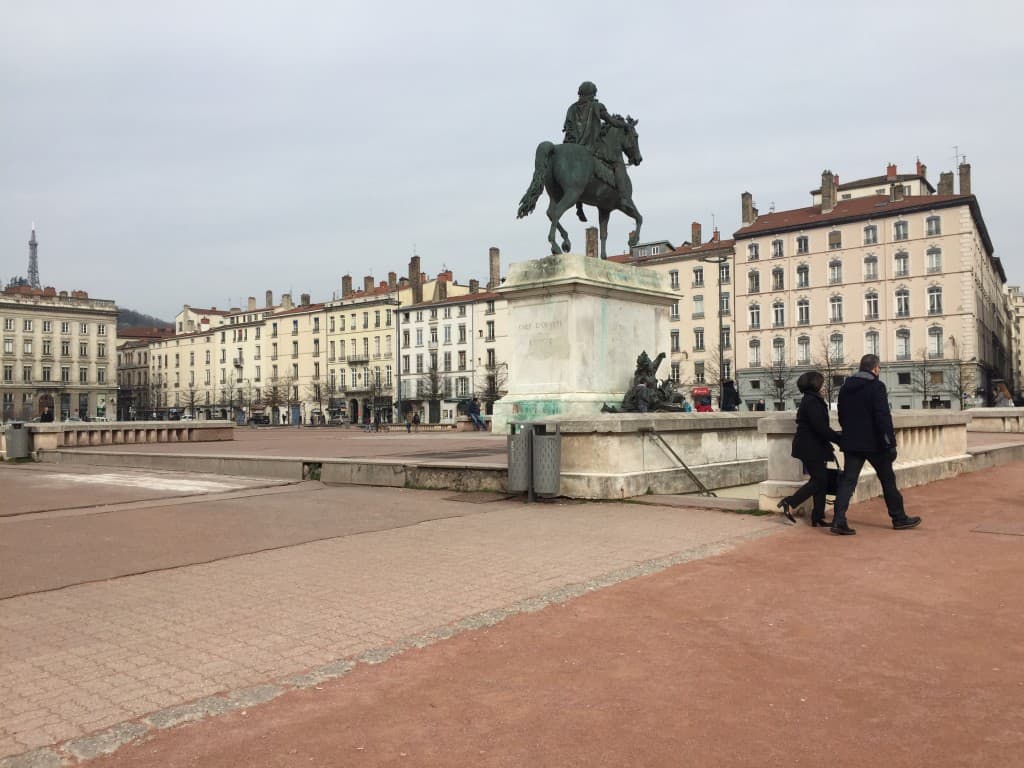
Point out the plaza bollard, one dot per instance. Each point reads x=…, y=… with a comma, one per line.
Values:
x=16, y=439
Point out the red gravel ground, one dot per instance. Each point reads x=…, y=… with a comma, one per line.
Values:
x=890, y=648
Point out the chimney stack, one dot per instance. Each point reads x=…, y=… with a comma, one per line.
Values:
x=415, y=280
x=286, y=301
x=495, y=262
x=890, y=172
x=474, y=286
x=922, y=169
x=251, y=305
x=591, y=242
x=946, y=183
x=392, y=281
x=965, y=178
x=440, y=289
x=270, y=299
x=304, y=299
x=695, y=234
x=828, y=191
x=368, y=284
x=747, y=208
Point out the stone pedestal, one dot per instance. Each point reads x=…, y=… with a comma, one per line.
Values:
x=579, y=324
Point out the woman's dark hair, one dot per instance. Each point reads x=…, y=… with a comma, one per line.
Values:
x=810, y=381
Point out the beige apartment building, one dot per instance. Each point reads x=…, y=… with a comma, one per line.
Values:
x=58, y=355
x=134, y=388
x=701, y=322
x=304, y=363
x=1015, y=298
x=884, y=265
x=241, y=363
x=364, y=329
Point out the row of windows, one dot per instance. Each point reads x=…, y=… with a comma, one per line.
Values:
x=27, y=347
x=28, y=375
x=446, y=335
x=446, y=312
x=835, y=347
x=835, y=304
x=28, y=326
x=900, y=231
x=901, y=268
x=724, y=276
x=698, y=339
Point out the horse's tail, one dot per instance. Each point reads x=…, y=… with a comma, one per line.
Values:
x=540, y=169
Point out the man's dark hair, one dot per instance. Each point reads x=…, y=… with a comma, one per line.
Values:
x=868, y=363
x=810, y=381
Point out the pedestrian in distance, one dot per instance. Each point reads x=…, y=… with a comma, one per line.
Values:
x=812, y=444
x=730, y=396
x=408, y=421
x=473, y=409
x=416, y=420
x=868, y=436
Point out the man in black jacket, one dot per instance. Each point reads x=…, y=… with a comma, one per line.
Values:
x=868, y=436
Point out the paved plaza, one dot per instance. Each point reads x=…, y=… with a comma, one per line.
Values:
x=212, y=620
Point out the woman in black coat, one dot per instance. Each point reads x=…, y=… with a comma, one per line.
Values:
x=812, y=444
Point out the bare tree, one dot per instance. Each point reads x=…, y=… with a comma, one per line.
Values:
x=192, y=398
x=274, y=395
x=316, y=390
x=431, y=384
x=829, y=363
x=494, y=386
x=782, y=383
x=963, y=376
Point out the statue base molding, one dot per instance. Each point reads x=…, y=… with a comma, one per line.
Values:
x=577, y=325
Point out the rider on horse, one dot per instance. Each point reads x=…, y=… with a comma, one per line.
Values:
x=585, y=124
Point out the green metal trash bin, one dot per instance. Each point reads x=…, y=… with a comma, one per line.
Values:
x=16, y=440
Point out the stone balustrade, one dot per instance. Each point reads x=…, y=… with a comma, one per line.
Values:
x=50, y=437
x=996, y=420
x=616, y=456
x=932, y=445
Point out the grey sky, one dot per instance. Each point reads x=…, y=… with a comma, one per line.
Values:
x=196, y=152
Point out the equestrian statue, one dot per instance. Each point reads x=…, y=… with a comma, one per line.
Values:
x=587, y=169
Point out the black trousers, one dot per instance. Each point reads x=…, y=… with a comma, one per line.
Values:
x=815, y=486
x=848, y=484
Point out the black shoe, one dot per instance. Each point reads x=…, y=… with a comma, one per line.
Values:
x=902, y=523
x=786, y=510
x=822, y=523
x=841, y=530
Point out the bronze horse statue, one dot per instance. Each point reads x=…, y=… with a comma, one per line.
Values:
x=570, y=174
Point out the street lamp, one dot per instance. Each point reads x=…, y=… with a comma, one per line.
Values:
x=719, y=260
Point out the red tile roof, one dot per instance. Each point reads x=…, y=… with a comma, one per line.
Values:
x=875, y=181
x=863, y=209
x=683, y=250
x=464, y=298
x=859, y=208
x=300, y=309
x=135, y=332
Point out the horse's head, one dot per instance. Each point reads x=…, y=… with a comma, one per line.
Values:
x=630, y=142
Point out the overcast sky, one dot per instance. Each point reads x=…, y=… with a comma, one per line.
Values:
x=203, y=152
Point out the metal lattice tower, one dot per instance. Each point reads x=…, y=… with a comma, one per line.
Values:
x=33, y=260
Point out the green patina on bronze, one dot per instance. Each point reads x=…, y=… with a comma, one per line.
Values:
x=588, y=169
